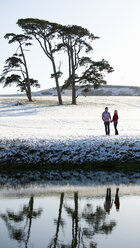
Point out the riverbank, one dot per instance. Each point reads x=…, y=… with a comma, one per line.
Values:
x=93, y=150
x=102, y=160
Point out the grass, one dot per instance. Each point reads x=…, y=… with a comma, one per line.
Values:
x=36, y=100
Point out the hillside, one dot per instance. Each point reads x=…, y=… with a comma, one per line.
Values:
x=107, y=90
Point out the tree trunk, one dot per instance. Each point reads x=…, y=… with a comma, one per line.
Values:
x=28, y=92
x=73, y=92
x=73, y=80
x=57, y=83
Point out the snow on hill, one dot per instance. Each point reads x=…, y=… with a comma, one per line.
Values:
x=107, y=90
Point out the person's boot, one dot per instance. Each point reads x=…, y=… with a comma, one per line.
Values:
x=117, y=191
x=116, y=132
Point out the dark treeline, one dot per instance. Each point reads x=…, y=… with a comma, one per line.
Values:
x=53, y=38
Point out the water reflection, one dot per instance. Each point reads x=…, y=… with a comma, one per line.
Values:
x=109, y=202
x=19, y=224
x=97, y=223
x=95, y=219
x=61, y=221
x=117, y=200
x=58, y=222
x=75, y=229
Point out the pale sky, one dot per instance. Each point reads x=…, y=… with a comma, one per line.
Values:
x=116, y=22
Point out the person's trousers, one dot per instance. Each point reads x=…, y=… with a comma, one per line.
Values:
x=115, y=126
x=107, y=127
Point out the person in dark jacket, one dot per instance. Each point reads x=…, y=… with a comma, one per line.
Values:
x=115, y=120
x=106, y=117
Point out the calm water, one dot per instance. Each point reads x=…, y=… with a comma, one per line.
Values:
x=85, y=217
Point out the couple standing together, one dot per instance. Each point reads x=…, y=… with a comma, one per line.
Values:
x=106, y=117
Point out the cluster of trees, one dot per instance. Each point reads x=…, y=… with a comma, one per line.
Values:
x=74, y=41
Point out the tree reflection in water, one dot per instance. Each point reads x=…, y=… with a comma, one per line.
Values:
x=73, y=212
x=19, y=224
x=59, y=222
x=86, y=221
x=95, y=223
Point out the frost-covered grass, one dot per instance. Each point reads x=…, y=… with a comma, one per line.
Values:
x=43, y=132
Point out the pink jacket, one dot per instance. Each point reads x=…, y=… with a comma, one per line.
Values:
x=106, y=116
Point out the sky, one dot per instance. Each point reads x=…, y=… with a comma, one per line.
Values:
x=116, y=22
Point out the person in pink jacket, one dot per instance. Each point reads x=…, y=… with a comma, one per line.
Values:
x=106, y=117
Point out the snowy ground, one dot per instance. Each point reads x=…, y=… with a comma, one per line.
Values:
x=40, y=132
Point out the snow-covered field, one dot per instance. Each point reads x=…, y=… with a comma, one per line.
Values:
x=42, y=131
